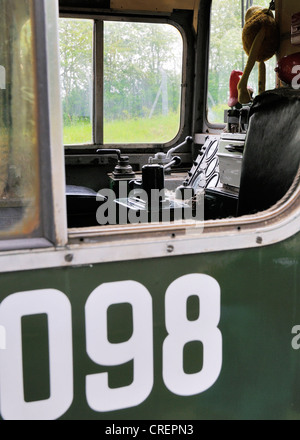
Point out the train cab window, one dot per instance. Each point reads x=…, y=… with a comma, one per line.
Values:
x=19, y=157
x=150, y=86
x=29, y=209
x=227, y=54
x=76, y=61
x=142, y=82
x=257, y=132
x=124, y=99
x=136, y=85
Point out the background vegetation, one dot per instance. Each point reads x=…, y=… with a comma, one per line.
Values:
x=141, y=80
x=142, y=75
x=227, y=54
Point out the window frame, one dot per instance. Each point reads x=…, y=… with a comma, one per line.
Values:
x=52, y=229
x=186, y=105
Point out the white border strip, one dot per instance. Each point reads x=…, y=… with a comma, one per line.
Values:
x=150, y=246
x=56, y=128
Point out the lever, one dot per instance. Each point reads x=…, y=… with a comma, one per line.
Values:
x=164, y=158
x=187, y=140
x=175, y=161
x=123, y=168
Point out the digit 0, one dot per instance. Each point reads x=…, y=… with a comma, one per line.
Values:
x=58, y=309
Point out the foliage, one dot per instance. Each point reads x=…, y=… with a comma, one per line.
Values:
x=76, y=60
x=142, y=64
x=138, y=58
x=227, y=54
x=157, y=129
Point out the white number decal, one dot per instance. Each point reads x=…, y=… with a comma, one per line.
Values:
x=139, y=347
x=181, y=331
x=58, y=309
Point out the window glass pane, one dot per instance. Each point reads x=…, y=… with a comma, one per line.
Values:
x=142, y=82
x=76, y=58
x=19, y=177
x=227, y=54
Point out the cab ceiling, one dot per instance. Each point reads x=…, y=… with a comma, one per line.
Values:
x=131, y=5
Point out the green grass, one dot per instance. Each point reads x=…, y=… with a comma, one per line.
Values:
x=155, y=130
x=78, y=133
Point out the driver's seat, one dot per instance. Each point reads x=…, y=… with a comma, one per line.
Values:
x=272, y=150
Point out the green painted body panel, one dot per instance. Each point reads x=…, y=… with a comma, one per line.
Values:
x=260, y=298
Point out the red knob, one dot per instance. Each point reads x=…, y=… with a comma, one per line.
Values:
x=233, y=91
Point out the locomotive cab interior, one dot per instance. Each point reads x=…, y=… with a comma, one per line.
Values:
x=149, y=220
x=242, y=163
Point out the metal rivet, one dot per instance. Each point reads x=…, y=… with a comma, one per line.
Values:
x=259, y=240
x=170, y=248
x=69, y=258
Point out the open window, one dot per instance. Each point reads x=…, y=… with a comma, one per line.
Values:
x=105, y=170
x=226, y=54
x=127, y=82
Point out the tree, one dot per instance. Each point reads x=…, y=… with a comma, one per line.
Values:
x=76, y=58
x=227, y=54
x=138, y=57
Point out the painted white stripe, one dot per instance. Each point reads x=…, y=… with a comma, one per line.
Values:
x=2, y=338
x=122, y=243
x=145, y=247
